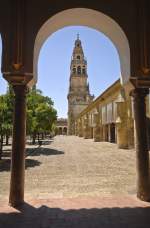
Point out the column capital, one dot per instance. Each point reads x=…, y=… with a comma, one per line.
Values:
x=139, y=93
x=18, y=78
x=20, y=90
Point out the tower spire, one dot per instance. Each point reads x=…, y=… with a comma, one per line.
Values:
x=77, y=36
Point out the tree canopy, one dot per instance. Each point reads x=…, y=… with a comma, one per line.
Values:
x=6, y=116
x=41, y=115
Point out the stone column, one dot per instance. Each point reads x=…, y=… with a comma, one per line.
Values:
x=102, y=133
x=131, y=137
x=76, y=128
x=97, y=127
x=122, y=130
x=90, y=132
x=141, y=145
x=105, y=128
x=86, y=128
x=18, y=147
x=80, y=127
x=100, y=125
x=109, y=133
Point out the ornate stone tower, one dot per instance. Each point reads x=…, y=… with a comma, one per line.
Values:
x=79, y=95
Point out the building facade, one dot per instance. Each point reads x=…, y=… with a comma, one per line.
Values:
x=61, y=126
x=110, y=118
x=79, y=95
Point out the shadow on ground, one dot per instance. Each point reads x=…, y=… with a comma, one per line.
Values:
x=29, y=163
x=6, y=153
x=42, y=151
x=45, y=217
x=44, y=142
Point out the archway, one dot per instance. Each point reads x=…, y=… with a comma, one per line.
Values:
x=65, y=130
x=93, y=19
x=110, y=28
x=60, y=130
x=101, y=23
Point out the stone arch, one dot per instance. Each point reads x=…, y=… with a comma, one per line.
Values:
x=65, y=130
x=91, y=18
x=60, y=130
x=83, y=70
x=79, y=69
x=74, y=70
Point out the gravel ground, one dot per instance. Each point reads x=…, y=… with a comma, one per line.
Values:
x=69, y=166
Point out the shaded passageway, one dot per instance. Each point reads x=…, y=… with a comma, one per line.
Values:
x=78, y=213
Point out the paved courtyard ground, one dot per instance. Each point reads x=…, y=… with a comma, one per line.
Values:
x=69, y=166
x=73, y=182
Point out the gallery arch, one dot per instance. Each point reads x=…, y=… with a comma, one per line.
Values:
x=61, y=126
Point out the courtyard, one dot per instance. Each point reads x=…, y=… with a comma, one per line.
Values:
x=69, y=166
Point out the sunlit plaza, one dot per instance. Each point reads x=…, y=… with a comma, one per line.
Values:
x=69, y=166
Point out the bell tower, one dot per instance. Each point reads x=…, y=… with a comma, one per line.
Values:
x=79, y=95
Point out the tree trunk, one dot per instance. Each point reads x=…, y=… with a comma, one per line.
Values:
x=7, y=139
x=1, y=146
x=42, y=136
x=33, y=138
x=38, y=136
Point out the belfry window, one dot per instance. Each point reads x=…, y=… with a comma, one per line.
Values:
x=78, y=56
x=79, y=70
x=83, y=71
x=74, y=70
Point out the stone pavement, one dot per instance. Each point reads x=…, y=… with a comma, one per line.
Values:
x=69, y=166
x=72, y=182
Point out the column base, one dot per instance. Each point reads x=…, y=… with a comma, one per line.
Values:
x=123, y=146
x=80, y=135
x=144, y=196
x=97, y=139
x=16, y=203
x=87, y=133
x=87, y=137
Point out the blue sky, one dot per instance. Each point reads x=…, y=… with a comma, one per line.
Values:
x=54, y=64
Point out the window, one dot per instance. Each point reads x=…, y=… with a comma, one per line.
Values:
x=83, y=70
x=78, y=56
x=79, y=70
x=74, y=70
